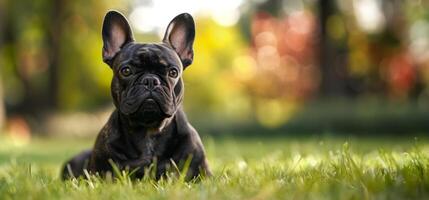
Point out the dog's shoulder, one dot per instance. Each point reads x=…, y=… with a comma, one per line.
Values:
x=184, y=128
x=192, y=145
x=188, y=132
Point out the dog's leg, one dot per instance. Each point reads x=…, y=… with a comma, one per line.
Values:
x=76, y=166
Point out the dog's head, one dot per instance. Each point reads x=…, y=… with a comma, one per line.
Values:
x=147, y=87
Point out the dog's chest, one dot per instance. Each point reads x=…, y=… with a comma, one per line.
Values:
x=143, y=149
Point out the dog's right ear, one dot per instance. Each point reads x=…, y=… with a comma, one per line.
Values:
x=116, y=33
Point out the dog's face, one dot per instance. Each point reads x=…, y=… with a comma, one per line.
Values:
x=147, y=87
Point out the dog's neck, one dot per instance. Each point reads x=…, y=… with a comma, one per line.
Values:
x=140, y=140
x=129, y=128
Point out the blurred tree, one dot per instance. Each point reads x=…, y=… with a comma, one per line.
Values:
x=51, y=55
x=2, y=114
x=274, y=7
x=212, y=82
x=54, y=44
x=292, y=50
x=332, y=58
x=21, y=43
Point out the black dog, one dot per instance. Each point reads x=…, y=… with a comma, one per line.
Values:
x=148, y=125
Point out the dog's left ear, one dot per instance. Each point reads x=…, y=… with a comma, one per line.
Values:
x=180, y=35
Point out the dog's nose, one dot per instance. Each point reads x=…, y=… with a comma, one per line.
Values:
x=150, y=82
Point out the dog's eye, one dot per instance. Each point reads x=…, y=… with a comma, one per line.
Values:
x=173, y=73
x=126, y=71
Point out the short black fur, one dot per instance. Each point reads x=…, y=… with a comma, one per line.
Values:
x=148, y=124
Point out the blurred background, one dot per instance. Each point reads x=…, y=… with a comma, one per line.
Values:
x=263, y=67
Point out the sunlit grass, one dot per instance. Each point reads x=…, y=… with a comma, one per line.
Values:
x=251, y=168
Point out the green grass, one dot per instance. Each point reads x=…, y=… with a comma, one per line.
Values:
x=244, y=168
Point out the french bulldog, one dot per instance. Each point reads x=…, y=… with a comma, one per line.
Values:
x=148, y=125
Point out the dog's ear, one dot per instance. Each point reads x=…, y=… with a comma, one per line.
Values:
x=116, y=33
x=180, y=35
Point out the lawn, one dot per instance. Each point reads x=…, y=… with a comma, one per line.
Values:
x=244, y=168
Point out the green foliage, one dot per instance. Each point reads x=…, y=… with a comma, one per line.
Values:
x=42, y=36
x=211, y=84
x=252, y=168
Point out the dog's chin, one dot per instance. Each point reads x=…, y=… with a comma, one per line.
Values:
x=149, y=115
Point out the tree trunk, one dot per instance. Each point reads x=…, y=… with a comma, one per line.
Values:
x=54, y=41
x=2, y=106
x=2, y=109
x=332, y=59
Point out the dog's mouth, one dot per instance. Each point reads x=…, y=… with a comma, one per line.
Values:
x=143, y=103
x=149, y=106
x=149, y=112
x=146, y=109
